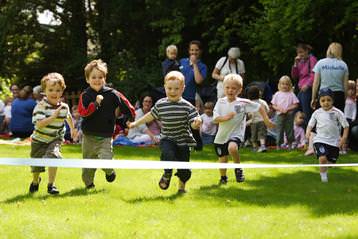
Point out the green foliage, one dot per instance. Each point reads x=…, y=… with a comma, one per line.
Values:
x=131, y=36
x=5, y=84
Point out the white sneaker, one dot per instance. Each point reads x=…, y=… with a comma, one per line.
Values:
x=262, y=149
x=324, y=179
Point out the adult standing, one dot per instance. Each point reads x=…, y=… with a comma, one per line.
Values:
x=194, y=71
x=21, y=113
x=302, y=71
x=226, y=65
x=331, y=72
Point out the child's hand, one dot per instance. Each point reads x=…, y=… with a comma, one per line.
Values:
x=131, y=125
x=270, y=124
x=230, y=115
x=57, y=111
x=196, y=123
x=99, y=99
x=74, y=133
x=308, y=134
x=342, y=141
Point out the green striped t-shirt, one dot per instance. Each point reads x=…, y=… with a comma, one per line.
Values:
x=54, y=130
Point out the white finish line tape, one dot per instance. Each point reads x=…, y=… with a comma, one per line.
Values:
x=146, y=164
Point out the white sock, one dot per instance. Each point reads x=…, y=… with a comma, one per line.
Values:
x=324, y=176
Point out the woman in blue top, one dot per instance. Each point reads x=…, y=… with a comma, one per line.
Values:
x=21, y=113
x=331, y=72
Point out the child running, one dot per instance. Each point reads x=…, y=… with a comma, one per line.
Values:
x=48, y=117
x=97, y=106
x=230, y=113
x=176, y=116
x=328, y=121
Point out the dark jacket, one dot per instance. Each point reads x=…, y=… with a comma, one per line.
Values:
x=99, y=120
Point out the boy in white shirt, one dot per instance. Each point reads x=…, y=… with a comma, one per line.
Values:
x=230, y=113
x=328, y=121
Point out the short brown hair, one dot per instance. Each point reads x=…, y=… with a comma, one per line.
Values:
x=174, y=75
x=55, y=78
x=98, y=64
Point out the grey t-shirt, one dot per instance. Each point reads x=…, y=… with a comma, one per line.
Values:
x=332, y=72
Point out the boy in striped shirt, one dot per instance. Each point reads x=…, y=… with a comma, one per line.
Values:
x=49, y=118
x=176, y=116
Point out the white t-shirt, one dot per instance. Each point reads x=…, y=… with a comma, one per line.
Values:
x=328, y=125
x=256, y=116
x=236, y=126
x=208, y=126
x=2, y=106
x=226, y=69
x=7, y=111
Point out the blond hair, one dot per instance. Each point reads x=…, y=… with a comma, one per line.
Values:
x=53, y=78
x=174, y=75
x=335, y=50
x=96, y=64
x=171, y=47
x=282, y=79
x=233, y=77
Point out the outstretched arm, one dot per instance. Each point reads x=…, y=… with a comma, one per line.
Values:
x=267, y=120
x=148, y=117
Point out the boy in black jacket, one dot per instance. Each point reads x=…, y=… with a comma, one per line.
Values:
x=97, y=106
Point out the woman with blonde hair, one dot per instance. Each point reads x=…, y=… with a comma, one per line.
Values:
x=331, y=72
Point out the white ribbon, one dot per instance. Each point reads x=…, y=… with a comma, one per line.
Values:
x=146, y=164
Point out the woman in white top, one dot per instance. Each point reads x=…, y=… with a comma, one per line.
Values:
x=227, y=65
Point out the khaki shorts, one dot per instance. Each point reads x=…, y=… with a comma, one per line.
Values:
x=45, y=150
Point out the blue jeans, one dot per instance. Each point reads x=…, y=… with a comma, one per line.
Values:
x=305, y=103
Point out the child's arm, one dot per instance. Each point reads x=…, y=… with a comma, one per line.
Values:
x=224, y=118
x=344, y=137
x=308, y=132
x=46, y=121
x=292, y=107
x=276, y=108
x=265, y=117
x=71, y=124
x=148, y=117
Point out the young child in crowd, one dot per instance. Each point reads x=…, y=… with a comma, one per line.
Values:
x=176, y=116
x=350, y=108
x=298, y=130
x=77, y=121
x=48, y=117
x=7, y=115
x=284, y=102
x=257, y=125
x=208, y=128
x=97, y=106
x=230, y=113
x=171, y=63
x=328, y=121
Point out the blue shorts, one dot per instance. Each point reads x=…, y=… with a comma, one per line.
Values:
x=223, y=149
x=331, y=152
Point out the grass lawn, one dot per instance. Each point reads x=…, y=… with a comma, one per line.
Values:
x=271, y=203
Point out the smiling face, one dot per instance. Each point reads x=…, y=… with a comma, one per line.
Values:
x=96, y=79
x=53, y=92
x=174, y=89
x=326, y=102
x=194, y=50
x=147, y=103
x=232, y=89
x=302, y=53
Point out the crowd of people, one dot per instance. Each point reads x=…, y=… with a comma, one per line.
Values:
x=309, y=111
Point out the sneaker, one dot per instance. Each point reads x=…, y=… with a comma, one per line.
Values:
x=110, y=178
x=324, y=180
x=343, y=152
x=164, y=181
x=223, y=180
x=262, y=149
x=239, y=174
x=34, y=187
x=51, y=189
x=90, y=186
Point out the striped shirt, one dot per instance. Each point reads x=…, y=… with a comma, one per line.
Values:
x=54, y=130
x=176, y=118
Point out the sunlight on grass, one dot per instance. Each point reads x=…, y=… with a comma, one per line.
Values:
x=271, y=203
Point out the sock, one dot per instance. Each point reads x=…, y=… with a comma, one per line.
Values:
x=323, y=175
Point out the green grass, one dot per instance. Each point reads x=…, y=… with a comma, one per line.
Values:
x=272, y=203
